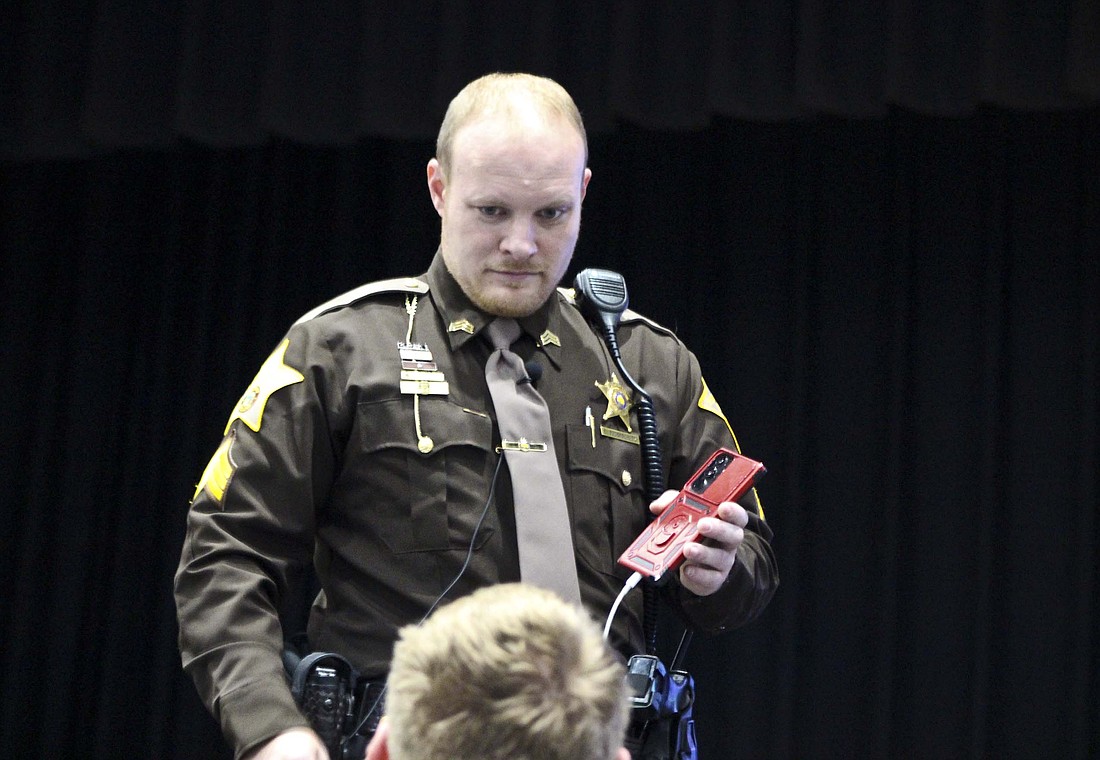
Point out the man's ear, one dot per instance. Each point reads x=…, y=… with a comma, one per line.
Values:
x=436, y=184
x=623, y=754
x=379, y=749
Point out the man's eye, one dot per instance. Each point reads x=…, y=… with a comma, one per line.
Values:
x=491, y=212
x=552, y=214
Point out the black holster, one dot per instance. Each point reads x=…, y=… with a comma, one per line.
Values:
x=341, y=706
x=661, y=724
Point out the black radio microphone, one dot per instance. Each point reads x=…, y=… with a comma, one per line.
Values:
x=604, y=297
x=533, y=370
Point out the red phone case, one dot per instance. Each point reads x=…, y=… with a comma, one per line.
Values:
x=726, y=476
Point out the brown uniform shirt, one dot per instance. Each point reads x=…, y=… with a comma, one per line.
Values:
x=321, y=462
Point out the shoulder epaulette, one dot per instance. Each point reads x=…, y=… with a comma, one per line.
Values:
x=569, y=294
x=396, y=285
x=570, y=297
x=632, y=316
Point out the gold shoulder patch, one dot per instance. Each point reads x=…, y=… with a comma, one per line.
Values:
x=709, y=403
x=273, y=375
x=215, y=478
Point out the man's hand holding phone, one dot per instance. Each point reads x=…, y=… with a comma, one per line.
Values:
x=707, y=563
x=699, y=528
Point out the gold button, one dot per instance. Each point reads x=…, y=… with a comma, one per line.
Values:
x=425, y=444
x=627, y=480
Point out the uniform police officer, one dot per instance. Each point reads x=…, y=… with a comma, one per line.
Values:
x=367, y=443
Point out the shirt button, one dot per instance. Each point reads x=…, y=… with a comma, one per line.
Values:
x=627, y=480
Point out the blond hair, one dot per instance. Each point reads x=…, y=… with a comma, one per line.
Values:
x=505, y=94
x=509, y=672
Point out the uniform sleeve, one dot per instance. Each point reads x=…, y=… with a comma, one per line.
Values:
x=249, y=532
x=702, y=428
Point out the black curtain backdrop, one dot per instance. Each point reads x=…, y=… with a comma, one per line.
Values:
x=877, y=224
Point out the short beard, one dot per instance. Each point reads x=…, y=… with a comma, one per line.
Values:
x=502, y=307
x=499, y=306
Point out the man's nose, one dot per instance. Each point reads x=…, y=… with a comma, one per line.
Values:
x=519, y=239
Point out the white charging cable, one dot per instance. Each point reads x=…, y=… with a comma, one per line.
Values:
x=631, y=582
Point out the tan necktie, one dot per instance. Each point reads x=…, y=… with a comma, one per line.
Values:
x=542, y=519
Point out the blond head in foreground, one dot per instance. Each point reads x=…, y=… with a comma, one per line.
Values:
x=510, y=671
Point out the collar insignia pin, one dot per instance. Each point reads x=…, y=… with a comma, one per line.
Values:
x=549, y=339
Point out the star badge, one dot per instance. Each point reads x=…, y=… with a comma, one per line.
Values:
x=619, y=400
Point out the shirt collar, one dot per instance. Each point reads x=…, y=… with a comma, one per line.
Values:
x=462, y=320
